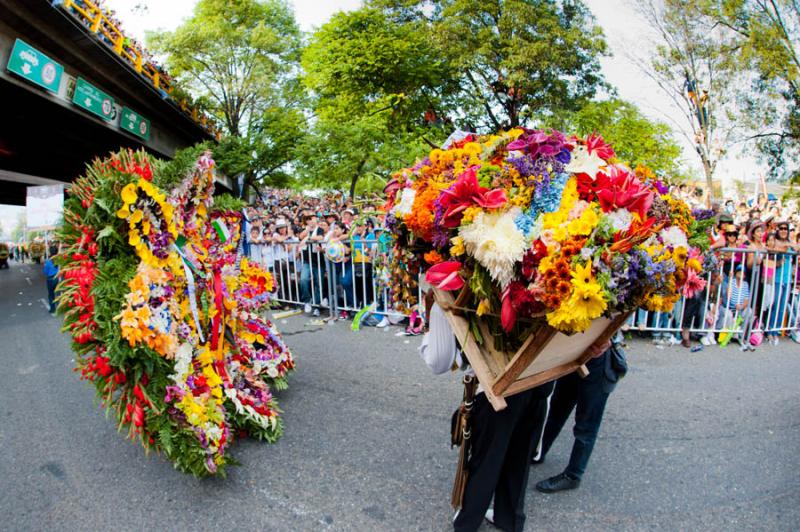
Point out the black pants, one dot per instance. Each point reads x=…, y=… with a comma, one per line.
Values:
x=588, y=397
x=502, y=443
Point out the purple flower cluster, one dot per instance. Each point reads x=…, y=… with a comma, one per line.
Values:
x=537, y=143
x=702, y=214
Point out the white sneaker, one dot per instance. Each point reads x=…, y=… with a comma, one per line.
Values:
x=325, y=302
x=489, y=515
x=705, y=340
x=658, y=341
x=775, y=341
x=383, y=323
x=316, y=312
x=307, y=308
x=795, y=335
x=672, y=341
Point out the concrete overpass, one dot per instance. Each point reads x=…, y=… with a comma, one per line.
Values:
x=67, y=97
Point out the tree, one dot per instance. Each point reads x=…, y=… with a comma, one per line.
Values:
x=399, y=75
x=516, y=60
x=338, y=153
x=373, y=84
x=636, y=139
x=18, y=233
x=692, y=66
x=767, y=39
x=235, y=55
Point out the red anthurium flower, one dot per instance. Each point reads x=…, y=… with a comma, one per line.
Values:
x=625, y=192
x=595, y=143
x=466, y=192
x=444, y=275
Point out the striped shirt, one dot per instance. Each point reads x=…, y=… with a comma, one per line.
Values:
x=739, y=294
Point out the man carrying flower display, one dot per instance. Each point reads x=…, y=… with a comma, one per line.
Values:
x=587, y=396
x=533, y=234
x=501, y=442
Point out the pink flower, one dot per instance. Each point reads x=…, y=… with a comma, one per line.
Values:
x=444, y=275
x=465, y=193
x=625, y=192
x=508, y=315
x=694, y=284
x=595, y=143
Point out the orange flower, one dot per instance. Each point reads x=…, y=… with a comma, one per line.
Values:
x=433, y=257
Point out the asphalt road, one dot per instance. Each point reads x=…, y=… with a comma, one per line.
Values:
x=707, y=440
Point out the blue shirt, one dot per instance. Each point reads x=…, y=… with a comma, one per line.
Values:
x=50, y=269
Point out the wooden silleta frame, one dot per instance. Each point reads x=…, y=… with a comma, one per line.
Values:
x=545, y=355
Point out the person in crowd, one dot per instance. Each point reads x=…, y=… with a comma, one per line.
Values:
x=361, y=237
x=51, y=277
x=501, y=442
x=311, y=238
x=785, y=266
x=737, y=304
x=587, y=397
x=281, y=252
x=347, y=217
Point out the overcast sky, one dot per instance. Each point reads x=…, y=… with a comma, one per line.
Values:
x=624, y=31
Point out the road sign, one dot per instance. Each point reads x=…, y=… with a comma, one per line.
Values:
x=32, y=65
x=135, y=123
x=89, y=97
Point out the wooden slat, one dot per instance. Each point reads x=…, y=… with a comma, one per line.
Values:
x=523, y=358
x=471, y=350
x=496, y=360
x=568, y=367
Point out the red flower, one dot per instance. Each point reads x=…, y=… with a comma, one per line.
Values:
x=532, y=258
x=597, y=144
x=625, y=192
x=466, y=192
x=444, y=275
x=588, y=187
x=523, y=300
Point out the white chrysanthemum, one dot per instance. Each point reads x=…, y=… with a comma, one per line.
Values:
x=496, y=243
x=674, y=237
x=620, y=219
x=406, y=202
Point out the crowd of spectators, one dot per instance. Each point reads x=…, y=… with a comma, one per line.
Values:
x=752, y=295
x=320, y=245
x=754, y=292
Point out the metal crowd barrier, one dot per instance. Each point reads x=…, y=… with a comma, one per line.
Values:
x=305, y=275
x=773, y=307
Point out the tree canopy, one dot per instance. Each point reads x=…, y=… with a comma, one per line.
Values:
x=234, y=55
x=636, y=139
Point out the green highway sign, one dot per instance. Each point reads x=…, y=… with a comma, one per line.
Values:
x=89, y=97
x=135, y=123
x=32, y=65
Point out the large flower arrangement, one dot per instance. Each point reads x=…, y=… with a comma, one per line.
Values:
x=165, y=316
x=534, y=225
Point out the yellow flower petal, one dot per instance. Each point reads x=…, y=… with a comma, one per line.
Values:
x=129, y=193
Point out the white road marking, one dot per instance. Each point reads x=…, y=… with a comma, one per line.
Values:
x=29, y=281
x=28, y=370
x=44, y=303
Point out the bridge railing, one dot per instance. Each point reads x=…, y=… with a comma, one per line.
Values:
x=94, y=18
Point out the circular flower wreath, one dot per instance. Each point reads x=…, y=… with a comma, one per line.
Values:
x=172, y=335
